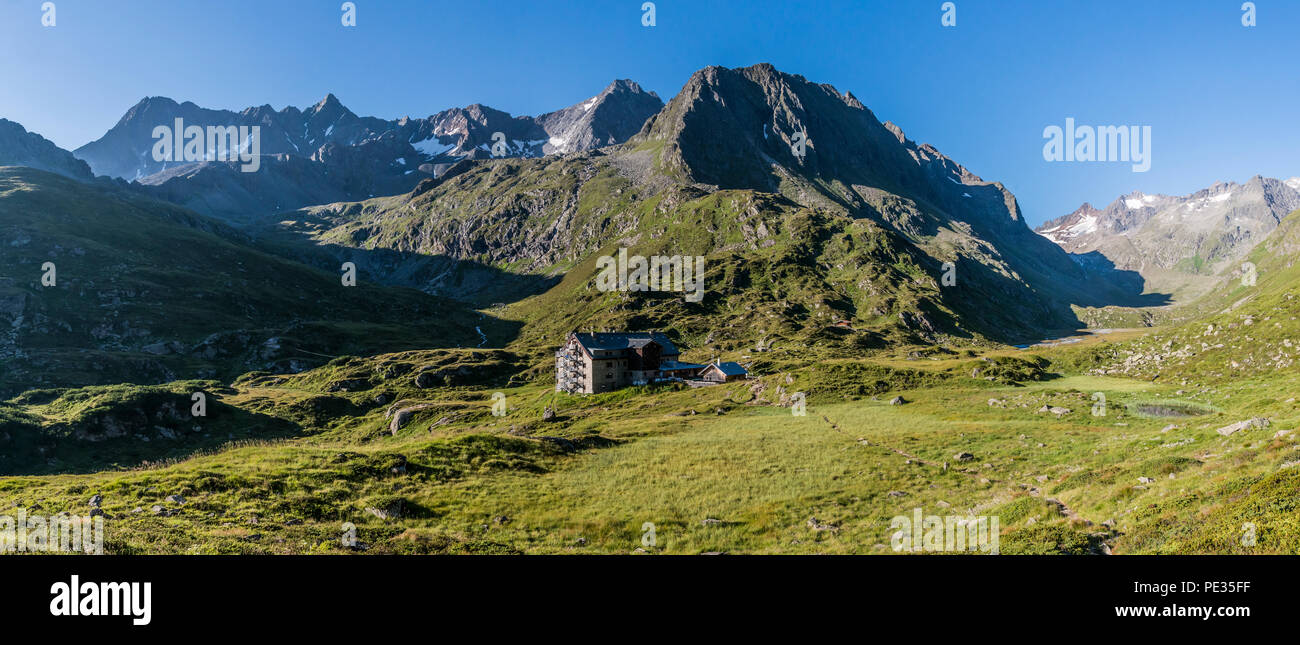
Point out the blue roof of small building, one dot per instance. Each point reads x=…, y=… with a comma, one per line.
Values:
x=731, y=368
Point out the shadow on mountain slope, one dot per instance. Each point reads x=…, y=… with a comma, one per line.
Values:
x=1131, y=286
x=101, y=286
x=467, y=281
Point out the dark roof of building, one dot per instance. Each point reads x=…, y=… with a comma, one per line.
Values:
x=730, y=368
x=625, y=340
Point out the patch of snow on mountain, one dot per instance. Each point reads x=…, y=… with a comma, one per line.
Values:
x=532, y=146
x=432, y=147
x=1060, y=234
x=1200, y=204
x=1084, y=226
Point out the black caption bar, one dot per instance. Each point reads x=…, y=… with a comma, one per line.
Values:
x=160, y=597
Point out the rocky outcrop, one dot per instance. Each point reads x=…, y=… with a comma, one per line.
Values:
x=18, y=147
x=157, y=416
x=387, y=509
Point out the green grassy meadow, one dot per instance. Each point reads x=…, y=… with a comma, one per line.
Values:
x=718, y=469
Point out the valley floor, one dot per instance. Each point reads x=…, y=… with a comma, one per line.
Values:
x=725, y=469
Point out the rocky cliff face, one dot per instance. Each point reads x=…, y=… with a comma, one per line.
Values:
x=608, y=118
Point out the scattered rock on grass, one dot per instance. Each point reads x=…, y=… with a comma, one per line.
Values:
x=1229, y=430
x=389, y=511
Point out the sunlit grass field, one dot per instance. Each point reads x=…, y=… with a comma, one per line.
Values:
x=719, y=469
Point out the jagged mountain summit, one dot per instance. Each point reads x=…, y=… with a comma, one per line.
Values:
x=125, y=151
x=606, y=119
x=327, y=153
x=1177, y=243
x=737, y=128
x=18, y=147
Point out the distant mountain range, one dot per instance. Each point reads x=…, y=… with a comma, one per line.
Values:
x=327, y=153
x=1177, y=243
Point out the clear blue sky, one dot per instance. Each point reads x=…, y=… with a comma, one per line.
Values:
x=1222, y=99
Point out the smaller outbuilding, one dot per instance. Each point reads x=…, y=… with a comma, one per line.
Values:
x=719, y=372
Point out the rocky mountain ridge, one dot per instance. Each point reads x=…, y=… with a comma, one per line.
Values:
x=1177, y=244
x=327, y=153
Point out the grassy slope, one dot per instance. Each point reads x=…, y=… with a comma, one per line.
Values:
x=1238, y=331
x=505, y=229
x=133, y=272
x=782, y=290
